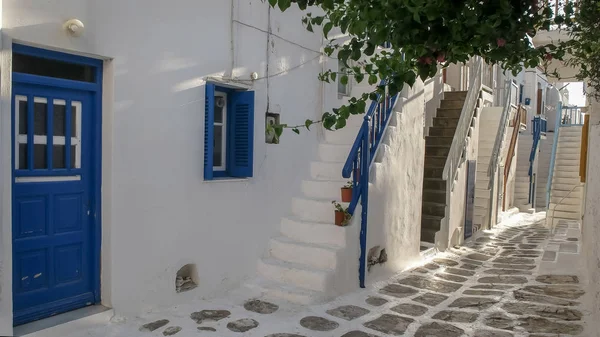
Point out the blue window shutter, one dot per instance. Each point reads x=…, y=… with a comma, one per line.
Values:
x=240, y=140
x=209, y=120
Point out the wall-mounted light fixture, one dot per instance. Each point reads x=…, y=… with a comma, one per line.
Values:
x=74, y=27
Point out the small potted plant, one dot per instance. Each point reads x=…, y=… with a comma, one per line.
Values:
x=341, y=214
x=347, y=192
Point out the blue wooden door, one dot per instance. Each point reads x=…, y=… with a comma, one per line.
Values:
x=54, y=237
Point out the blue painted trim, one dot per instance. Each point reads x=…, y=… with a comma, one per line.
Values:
x=56, y=55
x=95, y=149
x=55, y=82
x=51, y=309
x=96, y=174
x=359, y=162
x=209, y=119
x=364, y=181
x=47, y=173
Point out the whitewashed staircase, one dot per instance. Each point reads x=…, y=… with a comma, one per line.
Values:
x=488, y=129
x=566, y=191
x=301, y=263
x=521, y=196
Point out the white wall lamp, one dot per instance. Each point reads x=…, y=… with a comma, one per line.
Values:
x=74, y=27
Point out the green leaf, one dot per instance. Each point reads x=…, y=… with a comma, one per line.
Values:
x=410, y=78
x=309, y=27
x=284, y=4
x=344, y=79
x=278, y=130
x=333, y=76
x=359, y=77
x=326, y=29
x=372, y=79
x=272, y=3
x=296, y=131
x=307, y=124
x=340, y=123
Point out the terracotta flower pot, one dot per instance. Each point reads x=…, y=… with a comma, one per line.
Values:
x=340, y=217
x=346, y=194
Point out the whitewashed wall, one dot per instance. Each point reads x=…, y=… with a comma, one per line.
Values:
x=453, y=232
x=591, y=218
x=158, y=213
x=397, y=183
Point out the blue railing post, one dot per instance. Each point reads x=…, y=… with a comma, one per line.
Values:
x=364, y=181
x=359, y=162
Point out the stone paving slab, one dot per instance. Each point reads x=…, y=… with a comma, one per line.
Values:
x=490, y=287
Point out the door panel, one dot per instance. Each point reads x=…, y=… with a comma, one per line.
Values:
x=53, y=235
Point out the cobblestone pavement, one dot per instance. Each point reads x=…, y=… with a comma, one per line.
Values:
x=507, y=282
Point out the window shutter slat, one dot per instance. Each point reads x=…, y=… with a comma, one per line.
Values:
x=209, y=119
x=241, y=137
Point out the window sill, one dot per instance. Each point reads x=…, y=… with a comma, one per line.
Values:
x=226, y=179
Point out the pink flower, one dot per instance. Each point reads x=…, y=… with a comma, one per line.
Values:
x=548, y=57
x=425, y=60
x=500, y=42
x=441, y=58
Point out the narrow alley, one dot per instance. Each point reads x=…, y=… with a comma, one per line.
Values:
x=519, y=279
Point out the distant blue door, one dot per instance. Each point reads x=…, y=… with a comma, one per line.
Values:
x=54, y=203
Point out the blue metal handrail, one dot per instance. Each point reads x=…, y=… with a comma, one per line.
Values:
x=554, y=148
x=359, y=163
x=539, y=126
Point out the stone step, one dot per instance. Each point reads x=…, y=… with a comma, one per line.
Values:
x=442, y=132
x=326, y=171
x=452, y=104
x=296, y=275
x=310, y=255
x=437, y=184
x=431, y=221
x=455, y=95
x=566, y=174
x=566, y=180
x=435, y=161
x=322, y=189
x=482, y=193
x=556, y=192
x=570, y=129
x=570, y=200
x=437, y=150
x=448, y=113
x=565, y=207
x=569, y=145
x=428, y=235
x=438, y=140
x=482, y=202
x=313, y=232
x=434, y=196
x=275, y=291
x=314, y=210
x=434, y=208
x=563, y=214
x=448, y=122
x=334, y=153
x=570, y=155
x=433, y=172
